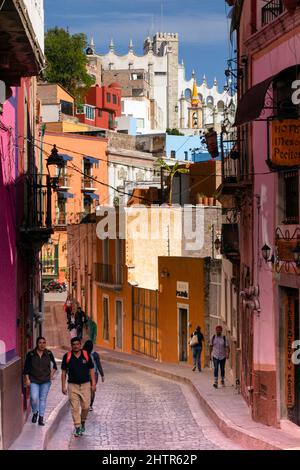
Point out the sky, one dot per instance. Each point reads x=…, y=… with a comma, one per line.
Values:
x=202, y=26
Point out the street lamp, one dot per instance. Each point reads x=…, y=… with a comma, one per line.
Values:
x=218, y=244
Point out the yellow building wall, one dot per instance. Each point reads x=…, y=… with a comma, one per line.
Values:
x=124, y=295
x=189, y=270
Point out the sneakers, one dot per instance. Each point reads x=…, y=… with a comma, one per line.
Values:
x=41, y=421
x=91, y=408
x=194, y=368
x=216, y=384
x=200, y=370
x=34, y=418
x=77, y=432
x=82, y=429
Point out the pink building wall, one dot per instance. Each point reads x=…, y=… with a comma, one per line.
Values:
x=284, y=53
x=8, y=274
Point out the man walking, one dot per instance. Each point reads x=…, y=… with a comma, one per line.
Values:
x=81, y=382
x=197, y=340
x=38, y=376
x=219, y=351
x=80, y=321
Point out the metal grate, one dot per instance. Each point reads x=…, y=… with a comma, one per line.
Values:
x=271, y=11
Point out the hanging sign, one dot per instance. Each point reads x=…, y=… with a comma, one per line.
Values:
x=285, y=150
x=182, y=290
x=289, y=351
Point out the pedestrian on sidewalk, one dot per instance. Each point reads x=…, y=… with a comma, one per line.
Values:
x=38, y=376
x=68, y=307
x=81, y=320
x=89, y=346
x=81, y=381
x=219, y=351
x=72, y=326
x=196, y=341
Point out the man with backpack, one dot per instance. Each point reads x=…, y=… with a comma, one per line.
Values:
x=38, y=376
x=81, y=382
x=80, y=321
x=219, y=351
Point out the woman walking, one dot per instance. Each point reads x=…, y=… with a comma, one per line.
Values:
x=196, y=344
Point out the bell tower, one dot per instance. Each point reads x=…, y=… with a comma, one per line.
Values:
x=195, y=109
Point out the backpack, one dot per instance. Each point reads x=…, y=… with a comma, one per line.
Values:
x=85, y=355
x=224, y=338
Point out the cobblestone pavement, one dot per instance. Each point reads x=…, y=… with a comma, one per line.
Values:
x=135, y=410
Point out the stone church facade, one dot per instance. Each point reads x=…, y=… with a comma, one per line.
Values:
x=155, y=88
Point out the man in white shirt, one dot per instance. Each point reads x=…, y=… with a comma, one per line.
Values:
x=219, y=351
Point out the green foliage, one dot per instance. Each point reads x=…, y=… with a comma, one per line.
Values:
x=67, y=61
x=173, y=132
x=172, y=170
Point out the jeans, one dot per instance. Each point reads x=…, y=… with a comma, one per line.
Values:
x=38, y=397
x=197, y=356
x=93, y=393
x=221, y=363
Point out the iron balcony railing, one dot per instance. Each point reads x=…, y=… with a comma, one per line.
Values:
x=230, y=158
x=108, y=274
x=271, y=11
x=37, y=212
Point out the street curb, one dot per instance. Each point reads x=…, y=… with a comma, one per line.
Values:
x=237, y=434
x=53, y=421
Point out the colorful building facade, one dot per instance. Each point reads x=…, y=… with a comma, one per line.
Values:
x=261, y=186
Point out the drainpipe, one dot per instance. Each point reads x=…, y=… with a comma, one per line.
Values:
x=43, y=130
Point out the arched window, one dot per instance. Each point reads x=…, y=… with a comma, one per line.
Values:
x=221, y=106
x=210, y=101
x=188, y=94
x=200, y=97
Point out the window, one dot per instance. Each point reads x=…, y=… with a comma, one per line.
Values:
x=90, y=112
x=140, y=123
x=108, y=97
x=160, y=74
x=210, y=101
x=61, y=211
x=188, y=94
x=186, y=155
x=114, y=99
x=291, y=197
x=99, y=112
x=282, y=88
x=105, y=319
x=66, y=107
x=173, y=154
x=137, y=92
x=87, y=205
x=136, y=76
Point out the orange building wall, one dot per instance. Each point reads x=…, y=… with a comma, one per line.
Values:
x=181, y=269
x=75, y=146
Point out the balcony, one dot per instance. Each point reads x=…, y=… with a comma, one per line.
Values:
x=108, y=275
x=271, y=11
x=88, y=184
x=230, y=241
x=37, y=227
x=235, y=177
x=64, y=182
x=21, y=41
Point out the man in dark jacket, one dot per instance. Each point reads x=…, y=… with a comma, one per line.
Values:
x=80, y=321
x=197, y=348
x=38, y=376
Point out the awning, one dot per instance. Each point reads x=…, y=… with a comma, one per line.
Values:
x=66, y=158
x=92, y=196
x=251, y=104
x=65, y=195
x=92, y=160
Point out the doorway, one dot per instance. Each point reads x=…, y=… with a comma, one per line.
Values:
x=291, y=354
x=119, y=324
x=183, y=334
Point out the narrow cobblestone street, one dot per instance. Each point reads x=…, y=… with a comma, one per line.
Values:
x=140, y=411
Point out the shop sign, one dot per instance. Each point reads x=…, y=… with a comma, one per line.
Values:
x=285, y=150
x=182, y=290
x=289, y=351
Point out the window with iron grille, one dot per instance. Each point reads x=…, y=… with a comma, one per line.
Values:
x=291, y=197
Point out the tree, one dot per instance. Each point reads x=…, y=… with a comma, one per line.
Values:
x=173, y=132
x=67, y=61
x=172, y=170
